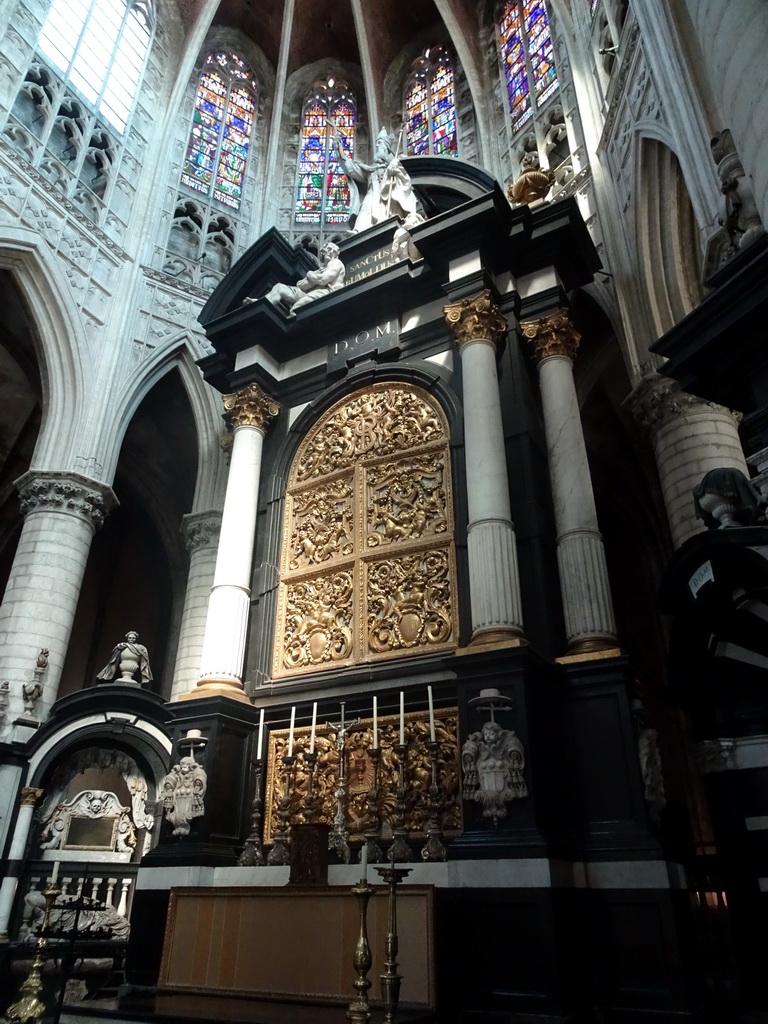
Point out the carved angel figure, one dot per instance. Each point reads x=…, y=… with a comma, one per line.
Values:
x=183, y=794
x=493, y=761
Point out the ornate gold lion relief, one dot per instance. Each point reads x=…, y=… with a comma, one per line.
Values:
x=368, y=568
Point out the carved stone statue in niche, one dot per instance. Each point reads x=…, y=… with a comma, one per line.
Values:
x=93, y=804
x=741, y=222
x=129, y=662
x=493, y=761
x=183, y=793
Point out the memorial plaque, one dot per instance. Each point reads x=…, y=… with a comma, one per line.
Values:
x=90, y=834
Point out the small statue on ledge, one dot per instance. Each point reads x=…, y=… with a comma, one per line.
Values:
x=328, y=278
x=533, y=183
x=726, y=498
x=31, y=694
x=129, y=663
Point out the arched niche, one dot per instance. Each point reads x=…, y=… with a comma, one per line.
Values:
x=669, y=247
x=136, y=572
x=20, y=413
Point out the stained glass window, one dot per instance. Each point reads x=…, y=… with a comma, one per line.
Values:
x=430, y=107
x=526, y=54
x=217, y=151
x=100, y=47
x=322, y=191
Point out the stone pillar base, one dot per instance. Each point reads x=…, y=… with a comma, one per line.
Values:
x=213, y=686
x=510, y=635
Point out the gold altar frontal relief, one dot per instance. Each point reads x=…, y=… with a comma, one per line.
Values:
x=368, y=563
x=292, y=944
x=418, y=774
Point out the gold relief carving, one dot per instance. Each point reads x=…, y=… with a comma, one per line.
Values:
x=553, y=335
x=318, y=620
x=475, y=319
x=409, y=601
x=250, y=407
x=321, y=524
x=29, y=796
x=379, y=421
x=418, y=774
x=406, y=499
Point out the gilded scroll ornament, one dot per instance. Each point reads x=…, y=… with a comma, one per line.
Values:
x=475, y=319
x=380, y=420
x=409, y=601
x=318, y=620
x=250, y=407
x=552, y=335
x=406, y=499
x=321, y=524
x=418, y=774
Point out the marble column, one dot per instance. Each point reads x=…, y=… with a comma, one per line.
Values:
x=494, y=580
x=62, y=512
x=226, y=624
x=690, y=436
x=201, y=537
x=28, y=800
x=587, y=605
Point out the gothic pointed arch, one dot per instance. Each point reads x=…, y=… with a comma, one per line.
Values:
x=368, y=562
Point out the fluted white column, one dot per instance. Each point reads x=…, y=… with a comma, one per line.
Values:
x=494, y=580
x=226, y=625
x=28, y=799
x=201, y=536
x=62, y=513
x=587, y=606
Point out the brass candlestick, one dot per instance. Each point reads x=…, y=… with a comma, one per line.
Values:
x=375, y=852
x=390, y=979
x=279, y=854
x=308, y=806
x=434, y=848
x=400, y=850
x=253, y=853
x=30, y=1008
x=359, y=1009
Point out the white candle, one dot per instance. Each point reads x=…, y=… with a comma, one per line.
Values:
x=290, y=734
x=431, y=715
x=55, y=874
x=314, y=729
x=402, y=717
x=364, y=861
x=375, y=723
x=261, y=735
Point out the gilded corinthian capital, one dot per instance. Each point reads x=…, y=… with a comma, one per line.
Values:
x=251, y=407
x=475, y=319
x=552, y=335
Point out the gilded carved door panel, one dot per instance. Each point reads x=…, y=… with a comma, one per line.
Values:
x=368, y=566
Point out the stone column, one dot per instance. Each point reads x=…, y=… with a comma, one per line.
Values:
x=587, y=605
x=690, y=436
x=28, y=800
x=62, y=512
x=221, y=665
x=494, y=580
x=201, y=537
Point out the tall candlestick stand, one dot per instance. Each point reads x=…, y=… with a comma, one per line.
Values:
x=390, y=979
x=434, y=848
x=359, y=1010
x=400, y=850
x=30, y=1008
x=308, y=806
x=253, y=852
x=279, y=854
x=375, y=853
